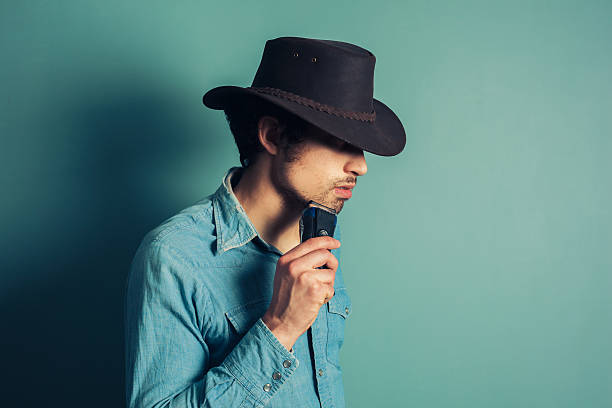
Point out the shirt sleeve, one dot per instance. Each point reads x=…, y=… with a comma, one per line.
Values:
x=167, y=356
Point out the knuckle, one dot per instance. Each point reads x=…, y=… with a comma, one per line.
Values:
x=331, y=241
x=325, y=240
x=293, y=269
x=302, y=279
x=315, y=241
x=314, y=291
x=323, y=252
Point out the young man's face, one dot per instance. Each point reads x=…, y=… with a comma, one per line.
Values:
x=316, y=168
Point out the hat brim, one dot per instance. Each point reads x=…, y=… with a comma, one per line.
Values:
x=384, y=137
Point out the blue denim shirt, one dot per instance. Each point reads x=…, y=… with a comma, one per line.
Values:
x=198, y=286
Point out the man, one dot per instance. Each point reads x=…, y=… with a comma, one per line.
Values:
x=225, y=307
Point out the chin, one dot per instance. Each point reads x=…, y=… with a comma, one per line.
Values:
x=331, y=201
x=336, y=205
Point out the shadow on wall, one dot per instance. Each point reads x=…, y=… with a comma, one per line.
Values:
x=63, y=323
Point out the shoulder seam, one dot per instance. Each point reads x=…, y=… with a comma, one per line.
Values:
x=190, y=223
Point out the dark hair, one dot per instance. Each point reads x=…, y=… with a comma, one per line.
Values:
x=243, y=116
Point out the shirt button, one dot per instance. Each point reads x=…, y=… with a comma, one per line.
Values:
x=287, y=363
x=267, y=387
x=276, y=375
x=321, y=372
x=346, y=309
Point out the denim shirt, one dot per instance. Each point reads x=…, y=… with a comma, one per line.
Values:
x=197, y=288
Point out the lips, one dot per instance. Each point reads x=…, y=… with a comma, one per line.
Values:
x=344, y=191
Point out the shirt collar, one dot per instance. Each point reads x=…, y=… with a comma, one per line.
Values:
x=234, y=228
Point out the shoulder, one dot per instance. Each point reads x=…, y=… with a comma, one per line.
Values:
x=185, y=239
x=193, y=222
x=164, y=273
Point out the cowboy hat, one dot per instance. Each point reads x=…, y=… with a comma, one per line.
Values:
x=329, y=84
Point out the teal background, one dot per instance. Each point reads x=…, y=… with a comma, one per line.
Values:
x=478, y=260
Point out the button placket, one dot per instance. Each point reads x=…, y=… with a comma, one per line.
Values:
x=319, y=344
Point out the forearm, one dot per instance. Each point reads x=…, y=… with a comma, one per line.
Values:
x=250, y=375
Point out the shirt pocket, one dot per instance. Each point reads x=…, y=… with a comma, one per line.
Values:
x=339, y=308
x=244, y=316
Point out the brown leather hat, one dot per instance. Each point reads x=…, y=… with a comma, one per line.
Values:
x=329, y=84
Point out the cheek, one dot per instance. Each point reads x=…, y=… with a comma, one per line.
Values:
x=305, y=179
x=309, y=180
x=312, y=172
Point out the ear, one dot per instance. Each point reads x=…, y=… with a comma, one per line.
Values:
x=268, y=132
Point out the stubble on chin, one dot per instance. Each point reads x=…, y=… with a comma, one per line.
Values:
x=329, y=199
x=337, y=205
x=294, y=199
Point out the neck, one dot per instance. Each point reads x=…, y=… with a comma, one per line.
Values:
x=276, y=221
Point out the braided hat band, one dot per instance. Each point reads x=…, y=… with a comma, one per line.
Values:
x=362, y=116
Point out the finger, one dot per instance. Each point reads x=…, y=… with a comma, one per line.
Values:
x=329, y=296
x=315, y=259
x=311, y=244
x=325, y=276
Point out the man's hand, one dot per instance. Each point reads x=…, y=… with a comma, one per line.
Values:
x=300, y=290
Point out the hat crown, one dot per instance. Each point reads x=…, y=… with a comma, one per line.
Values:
x=333, y=73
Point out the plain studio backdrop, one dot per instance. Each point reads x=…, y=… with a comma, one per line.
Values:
x=478, y=260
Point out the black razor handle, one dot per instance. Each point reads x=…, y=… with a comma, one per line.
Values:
x=317, y=221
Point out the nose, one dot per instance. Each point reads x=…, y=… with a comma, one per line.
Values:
x=356, y=163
